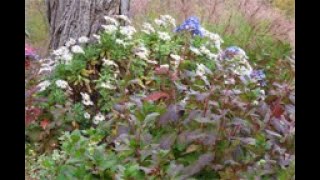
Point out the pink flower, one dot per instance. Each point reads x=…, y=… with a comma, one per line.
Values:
x=29, y=51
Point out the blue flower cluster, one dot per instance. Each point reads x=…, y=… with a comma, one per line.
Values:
x=260, y=76
x=192, y=24
x=231, y=51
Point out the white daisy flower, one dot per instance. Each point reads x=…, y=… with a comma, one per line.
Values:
x=43, y=85
x=86, y=115
x=83, y=39
x=77, y=49
x=164, y=36
x=62, y=84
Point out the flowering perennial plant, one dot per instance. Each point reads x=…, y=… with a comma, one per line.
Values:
x=152, y=103
x=192, y=24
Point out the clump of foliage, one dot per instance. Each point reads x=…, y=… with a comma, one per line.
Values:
x=162, y=102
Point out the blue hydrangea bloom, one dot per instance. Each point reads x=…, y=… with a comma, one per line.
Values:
x=231, y=51
x=258, y=74
x=192, y=24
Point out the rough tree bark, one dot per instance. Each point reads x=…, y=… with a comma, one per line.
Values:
x=124, y=8
x=76, y=18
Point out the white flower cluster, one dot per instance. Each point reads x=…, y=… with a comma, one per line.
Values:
x=203, y=50
x=83, y=39
x=43, y=85
x=111, y=20
x=240, y=67
x=108, y=85
x=109, y=29
x=98, y=118
x=124, y=18
x=121, y=42
x=59, y=83
x=58, y=155
x=71, y=42
x=62, y=84
x=164, y=36
x=177, y=59
x=107, y=62
x=164, y=20
x=142, y=52
x=97, y=37
x=208, y=53
x=147, y=28
x=86, y=99
x=201, y=71
x=214, y=37
x=65, y=53
x=127, y=31
x=114, y=25
x=86, y=115
x=47, y=65
x=195, y=50
x=77, y=49
x=168, y=19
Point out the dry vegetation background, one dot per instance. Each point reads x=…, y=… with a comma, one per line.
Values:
x=238, y=18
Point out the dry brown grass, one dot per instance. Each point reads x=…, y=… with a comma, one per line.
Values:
x=213, y=12
x=221, y=12
x=37, y=26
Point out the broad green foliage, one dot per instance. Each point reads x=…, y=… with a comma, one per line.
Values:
x=152, y=103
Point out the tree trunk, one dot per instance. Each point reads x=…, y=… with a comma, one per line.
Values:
x=124, y=8
x=76, y=18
